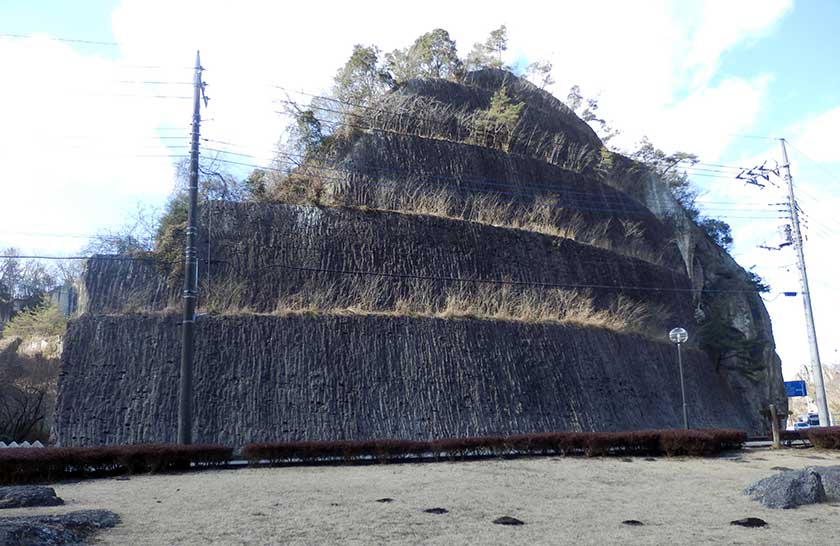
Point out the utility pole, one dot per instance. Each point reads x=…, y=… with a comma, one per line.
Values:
x=816, y=366
x=185, y=386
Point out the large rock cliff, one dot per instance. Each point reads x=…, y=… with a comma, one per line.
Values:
x=308, y=336
x=265, y=378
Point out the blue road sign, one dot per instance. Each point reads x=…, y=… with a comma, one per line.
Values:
x=795, y=388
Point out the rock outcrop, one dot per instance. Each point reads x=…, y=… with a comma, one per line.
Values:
x=788, y=489
x=421, y=196
x=793, y=488
x=264, y=378
x=71, y=529
x=18, y=496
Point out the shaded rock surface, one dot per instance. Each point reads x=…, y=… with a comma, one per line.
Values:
x=260, y=252
x=831, y=481
x=71, y=529
x=728, y=311
x=788, y=489
x=465, y=172
x=28, y=495
x=331, y=377
x=264, y=378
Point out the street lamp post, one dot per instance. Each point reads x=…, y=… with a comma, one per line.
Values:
x=679, y=336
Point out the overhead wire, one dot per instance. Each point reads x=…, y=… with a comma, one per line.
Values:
x=573, y=202
x=57, y=39
x=694, y=170
x=581, y=200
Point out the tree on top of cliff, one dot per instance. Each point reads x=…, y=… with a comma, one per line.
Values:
x=362, y=77
x=540, y=72
x=433, y=55
x=667, y=166
x=586, y=109
x=489, y=54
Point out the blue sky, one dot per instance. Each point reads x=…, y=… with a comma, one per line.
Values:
x=83, y=146
x=88, y=20
x=801, y=52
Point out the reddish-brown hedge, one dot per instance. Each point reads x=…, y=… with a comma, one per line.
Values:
x=824, y=437
x=639, y=443
x=789, y=436
x=24, y=465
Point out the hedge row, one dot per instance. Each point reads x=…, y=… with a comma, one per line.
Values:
x=824, y=437
x=793, y=435
x=640, y=443
x=25, y=465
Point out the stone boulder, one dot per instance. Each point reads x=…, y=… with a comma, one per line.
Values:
x=831, y=481
x=28, y=495
x=71, y=529
x=788, y=489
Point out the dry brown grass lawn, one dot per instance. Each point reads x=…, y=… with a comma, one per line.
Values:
x=562, y=501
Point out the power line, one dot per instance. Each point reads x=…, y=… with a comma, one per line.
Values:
x=571, y=199
x=481, y=189
x=617, y=196
x=496, y=281
x=414, y=116
x=122, y=154
x=731, y=205
x=153, y=82
x=399, y=275
x=109, y=136
x=759, y=137
x=691, y=169
x=709, y=173
x=56, y=39
x=95, y=256
x=127, y=95
x=831, y=174
x=61, y=235
x=93, y=43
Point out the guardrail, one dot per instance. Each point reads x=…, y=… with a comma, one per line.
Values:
x=36, y=443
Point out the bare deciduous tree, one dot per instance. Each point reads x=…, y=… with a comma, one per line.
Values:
x=27, y=394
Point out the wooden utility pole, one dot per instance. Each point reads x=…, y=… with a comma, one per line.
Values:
x=185, y=386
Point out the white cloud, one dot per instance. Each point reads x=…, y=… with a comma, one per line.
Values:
x=70, y=143
x=819, y=134
x=703, y=122
x=725, y=24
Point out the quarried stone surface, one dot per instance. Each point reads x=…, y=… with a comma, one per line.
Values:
x=270, y=378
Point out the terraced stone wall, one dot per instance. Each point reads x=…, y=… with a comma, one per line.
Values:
x=264, y=378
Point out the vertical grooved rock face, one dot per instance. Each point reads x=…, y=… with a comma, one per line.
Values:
x=264, y=378
x=534, y=207
x=250, y=246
